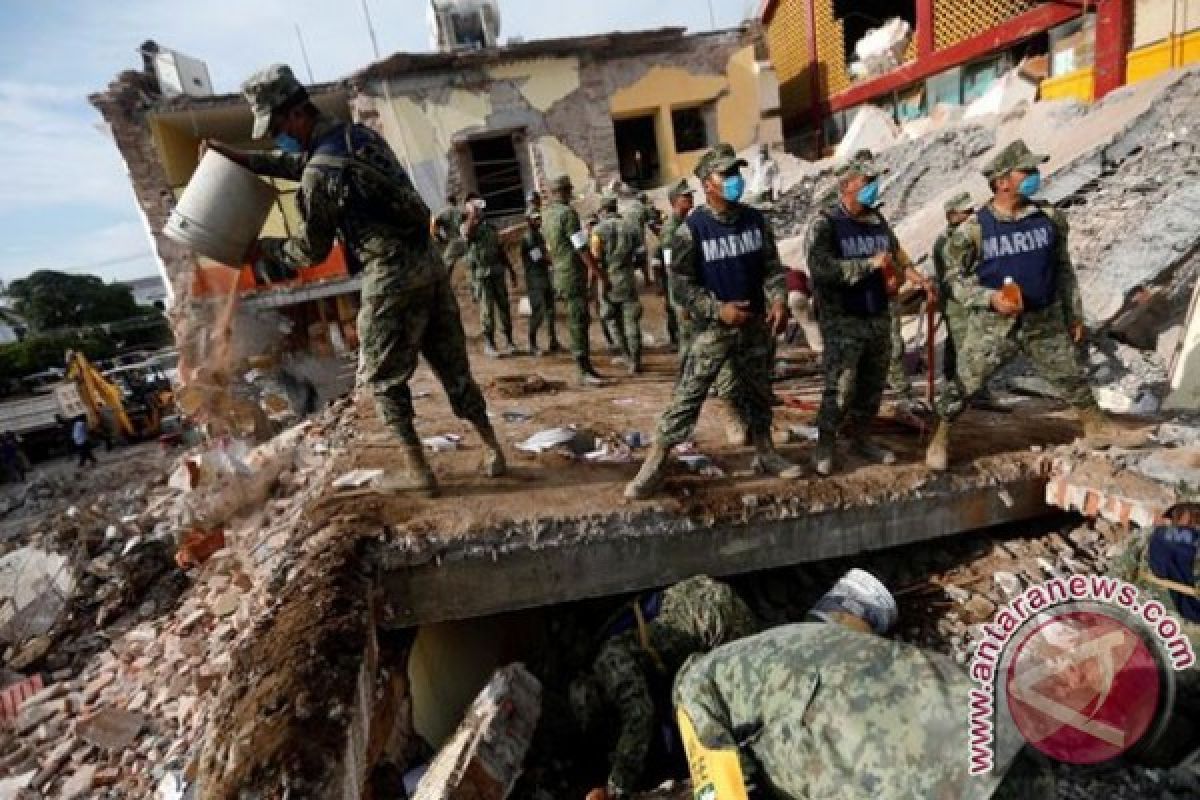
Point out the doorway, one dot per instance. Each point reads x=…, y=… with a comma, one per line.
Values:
x=498, y=175
x=637, y=150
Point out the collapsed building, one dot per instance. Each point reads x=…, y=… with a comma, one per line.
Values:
x=332, y=636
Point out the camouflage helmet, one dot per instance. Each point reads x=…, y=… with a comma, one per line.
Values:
x=269, y=90
x=721, y=158
x=679, y=190
x=960, y=203
x=861, y=163
x=1016, y=156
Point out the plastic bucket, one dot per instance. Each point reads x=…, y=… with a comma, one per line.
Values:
x=862, y=595
x=222, y=211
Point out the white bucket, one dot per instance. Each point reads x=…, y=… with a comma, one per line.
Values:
x=860, y=594
x=222, y=211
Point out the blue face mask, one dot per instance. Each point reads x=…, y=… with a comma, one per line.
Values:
x=288, y=143
x=869, y=194
x=1031, y=185
x=733, y=188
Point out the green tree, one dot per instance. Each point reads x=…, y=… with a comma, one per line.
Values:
x=51, y=300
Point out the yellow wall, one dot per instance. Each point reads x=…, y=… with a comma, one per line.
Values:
x=663, y=89
x=1078, y=85
x=1178, y=51
x=1141, y=64
x=543, y=82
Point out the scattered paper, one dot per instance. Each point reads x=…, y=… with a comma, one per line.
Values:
x=357, y=478
x=548, y=439
x=443, y=443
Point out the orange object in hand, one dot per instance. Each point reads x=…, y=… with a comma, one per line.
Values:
x=1011, y=292
x=891, y=280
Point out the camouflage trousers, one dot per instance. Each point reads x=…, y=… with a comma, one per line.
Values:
x=724, y=383
x=575, y=295
x=622, y=315
x=493, y=305
x=394, y=327
x=956, y=333
x=664, y=289
x=856, y=360
x=746, y=352
x=897, y=379
x=991, y=341
x=541, y=310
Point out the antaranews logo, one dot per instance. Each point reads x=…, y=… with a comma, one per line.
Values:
x=1083, y=668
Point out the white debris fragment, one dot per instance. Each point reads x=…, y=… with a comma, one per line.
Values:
x=357, y=478
x=548, y=439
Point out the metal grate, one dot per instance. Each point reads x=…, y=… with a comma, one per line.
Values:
x=956, y=21
x=787, y=38
x=831, y=49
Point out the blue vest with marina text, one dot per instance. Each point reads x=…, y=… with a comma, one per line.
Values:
x=731, y=257
x=1023, y=250
x=858, y=239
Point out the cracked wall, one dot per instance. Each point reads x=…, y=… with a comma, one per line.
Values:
x=561, y=109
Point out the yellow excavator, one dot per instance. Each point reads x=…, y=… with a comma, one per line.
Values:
x=136, y=411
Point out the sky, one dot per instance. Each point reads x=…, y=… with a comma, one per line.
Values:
x=67, y=203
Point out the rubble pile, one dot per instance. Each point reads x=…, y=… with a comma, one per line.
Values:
x=144, y=647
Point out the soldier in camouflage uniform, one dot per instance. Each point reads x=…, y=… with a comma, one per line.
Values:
x=1014, y=238
x=613, y=242
x=681, y=199
x=573, y=264
x=536, y=261
x=849, y=248
x=633, y=672
x=446, y=228
x=959, y=209
x=353, y=189
x=680, y=196
x=727, y=274
x=823, y=711
x=1164, y=563
x=488, y=263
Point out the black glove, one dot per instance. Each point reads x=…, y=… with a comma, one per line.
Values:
x=267, y=271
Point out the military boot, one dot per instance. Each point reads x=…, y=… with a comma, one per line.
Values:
x=937, y=457
x=768, y=461
x=494, y=463
x=587, y=374
x=823, y=455
x=533, y=346
x=555, y=347
x=862, y=444
x=489, y=348
x=1102, y=432
x=736, y=432
x=414, y=475
x=650, y=477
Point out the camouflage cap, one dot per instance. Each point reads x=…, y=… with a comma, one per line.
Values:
x=608, y=199
x=960, y=202
x=679, y=190
x=721, y=158
x=269, y=90
x=562, y=183
x=1015, y=156
x=861, y=163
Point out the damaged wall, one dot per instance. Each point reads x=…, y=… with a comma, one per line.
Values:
x=560, y=108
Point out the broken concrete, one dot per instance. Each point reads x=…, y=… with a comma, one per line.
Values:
x=484, y=758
